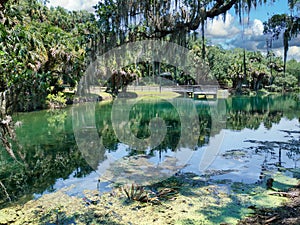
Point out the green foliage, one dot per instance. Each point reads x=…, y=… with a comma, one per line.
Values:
x=293, y=68
x=41, y=47
x=286, y=25
x=287, y=82
x=219, y=63
x=56, y=101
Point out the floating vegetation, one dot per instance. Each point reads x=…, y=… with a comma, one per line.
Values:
x=139, y=169
x=284, y=214
x=209, y=173
x=236, y=154
x=181, y=199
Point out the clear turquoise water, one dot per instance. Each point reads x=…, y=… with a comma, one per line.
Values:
x=234, y=138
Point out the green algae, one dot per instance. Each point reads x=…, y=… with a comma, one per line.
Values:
x=195, y=202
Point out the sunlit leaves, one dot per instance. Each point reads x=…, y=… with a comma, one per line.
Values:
x=42, y=46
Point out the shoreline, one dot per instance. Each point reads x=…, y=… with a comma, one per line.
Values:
x=216, y=203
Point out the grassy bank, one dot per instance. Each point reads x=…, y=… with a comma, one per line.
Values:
x=100, y=95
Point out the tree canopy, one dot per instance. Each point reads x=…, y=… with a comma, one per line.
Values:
x=286, y=25
x=40, y=50
x=127, y=20
x=44, y=49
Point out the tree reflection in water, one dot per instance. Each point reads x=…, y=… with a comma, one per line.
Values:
x=49, y=150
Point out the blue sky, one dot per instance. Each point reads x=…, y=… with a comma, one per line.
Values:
x=229, y=34
x=265, y=11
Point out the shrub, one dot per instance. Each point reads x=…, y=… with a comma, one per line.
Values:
x=56, y=101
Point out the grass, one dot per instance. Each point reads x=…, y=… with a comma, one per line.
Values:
x=143, y=94
x=105, y=96
x=153, y=94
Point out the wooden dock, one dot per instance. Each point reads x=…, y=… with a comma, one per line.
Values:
x=200, y=92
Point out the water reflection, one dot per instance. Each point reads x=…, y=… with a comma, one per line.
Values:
x=255, y=152
x=51, y=157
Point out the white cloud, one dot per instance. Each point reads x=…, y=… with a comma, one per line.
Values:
x=232, y=36
x=293, y=53
x=256, y=28
x=74, y=5
x=252, y=39
x=217, y=28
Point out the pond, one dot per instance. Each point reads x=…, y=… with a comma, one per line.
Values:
x=101, y=145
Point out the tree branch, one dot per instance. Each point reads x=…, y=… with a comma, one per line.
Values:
x=5, y=191
x=202, y=14
x=220, y=8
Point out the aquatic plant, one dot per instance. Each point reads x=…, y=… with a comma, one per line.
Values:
x=135, y=192
x=138, y=193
